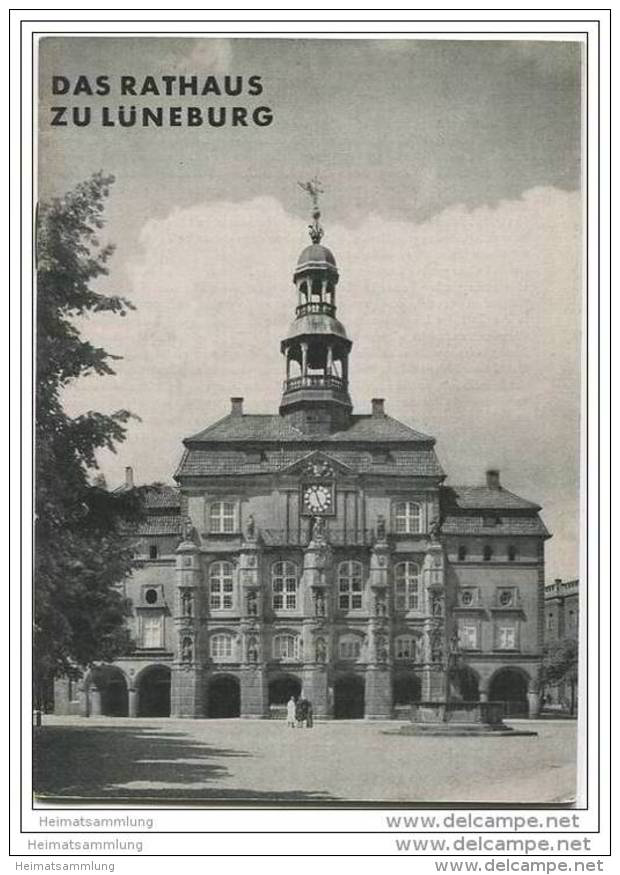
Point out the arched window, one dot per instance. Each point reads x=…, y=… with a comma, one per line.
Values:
x=350, y=586
x=221, y=646
x=487, y=553
x=221, y=586
x=349, y=647
x=407, y=517
x=406, y=647
x=406, y=586
x=286, y=647
x=284, y=579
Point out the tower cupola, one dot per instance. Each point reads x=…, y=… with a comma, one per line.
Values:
x=316, y=348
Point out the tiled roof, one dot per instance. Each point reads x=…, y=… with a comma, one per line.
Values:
x=274, y=428
x=420, y=462
x=507, y=525
x=482, y=497
x=160, y=525
x=162, y=496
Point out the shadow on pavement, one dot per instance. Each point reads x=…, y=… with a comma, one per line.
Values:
x=99, y=762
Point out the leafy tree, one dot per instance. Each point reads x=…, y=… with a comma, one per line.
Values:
x=81, y=551
x=561, y=663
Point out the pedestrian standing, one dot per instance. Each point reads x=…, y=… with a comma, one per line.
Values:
x=291, y=706
x=309, y=720
x=300, y=711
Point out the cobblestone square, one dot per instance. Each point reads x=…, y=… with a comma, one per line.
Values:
x=266, y=761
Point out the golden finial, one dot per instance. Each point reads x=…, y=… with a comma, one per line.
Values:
x=314, y=189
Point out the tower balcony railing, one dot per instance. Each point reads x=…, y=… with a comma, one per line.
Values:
x=301, y=538
x=315, y=381
x=315, y=308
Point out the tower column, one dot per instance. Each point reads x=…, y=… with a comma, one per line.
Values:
x=304, y=359
x=330, y=360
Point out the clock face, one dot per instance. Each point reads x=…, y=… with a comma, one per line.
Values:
x=317, y=498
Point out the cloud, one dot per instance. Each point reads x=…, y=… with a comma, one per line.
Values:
x=468, y=324
x=207, y=56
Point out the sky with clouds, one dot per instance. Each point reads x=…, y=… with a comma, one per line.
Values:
x=451, y=175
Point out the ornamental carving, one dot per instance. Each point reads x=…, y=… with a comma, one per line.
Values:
x=319, y=468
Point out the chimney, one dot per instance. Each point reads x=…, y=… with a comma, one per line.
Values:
x=377, y=406
x=493, y=479
x=236, y=406
x=128, y=477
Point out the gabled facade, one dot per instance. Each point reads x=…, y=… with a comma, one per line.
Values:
x=318, y=549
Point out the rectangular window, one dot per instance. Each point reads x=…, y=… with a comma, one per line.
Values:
x=407, y=518
x=222, y=517
x=152, y=629
x=468, y=636
x=506, y=637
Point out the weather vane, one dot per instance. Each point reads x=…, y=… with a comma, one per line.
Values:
x=314, y=189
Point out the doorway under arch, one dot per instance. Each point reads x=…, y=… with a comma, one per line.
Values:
x=349, y=697
x=509, y=685
x=112, y=686
x=223, y=697
x=468, y=686
x=154, y=692
x=282, y=687
x=406, y=689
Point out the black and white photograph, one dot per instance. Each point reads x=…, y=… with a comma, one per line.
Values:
x=308, y=420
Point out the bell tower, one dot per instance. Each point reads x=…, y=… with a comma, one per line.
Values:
x=315, y=396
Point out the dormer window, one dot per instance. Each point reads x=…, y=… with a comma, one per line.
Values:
x=153, y=551
x=512, y=553
x=407, y=518
x=222, y=517
x=381, y=457
x=462, y=554
x=487, y=553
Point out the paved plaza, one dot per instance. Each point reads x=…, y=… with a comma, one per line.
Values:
x=263, y=761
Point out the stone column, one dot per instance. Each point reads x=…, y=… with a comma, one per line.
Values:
x=95, y=702
x=187, y=679
x=304, y=359
x=436, y=637
x=253, y=676
x=378, y=692
x=533, y=697
x=133, y=702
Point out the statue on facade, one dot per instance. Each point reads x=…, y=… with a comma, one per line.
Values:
x=188, y=531
x=250, y=528
x=320, y=650
x=437, y=606
x=187, y=650
x=381, y=530
x=186, y=603
x=319, y=603
x=436, y=646
x=252, y=650
x=382, y=654
x=434, y=530
x=252, y=604
x=319, y=534
x=380, y=605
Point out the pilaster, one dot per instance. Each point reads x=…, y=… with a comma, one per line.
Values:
x=187, y=681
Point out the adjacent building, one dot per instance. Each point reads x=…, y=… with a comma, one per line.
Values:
x=319, y=549
x=561, y=624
